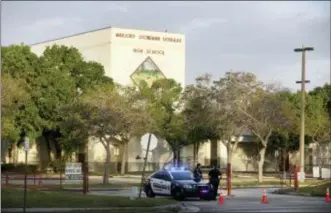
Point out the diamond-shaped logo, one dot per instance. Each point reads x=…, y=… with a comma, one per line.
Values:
x=148, y=72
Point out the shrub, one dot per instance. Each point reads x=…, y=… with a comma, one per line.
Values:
x=18, y=168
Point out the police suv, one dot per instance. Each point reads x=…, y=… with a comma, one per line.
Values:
x=178, y=183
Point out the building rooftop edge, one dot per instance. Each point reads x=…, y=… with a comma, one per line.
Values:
x=95, y=30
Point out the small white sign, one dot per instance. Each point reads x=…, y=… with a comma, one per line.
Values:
x=134, y=193
x=73, y=172
x=26, y=144
x=326, y=173
x=316, y=172
x=301, y=176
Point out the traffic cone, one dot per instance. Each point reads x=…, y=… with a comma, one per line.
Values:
x=221, y=198
x=264, y=197
x=327, y=196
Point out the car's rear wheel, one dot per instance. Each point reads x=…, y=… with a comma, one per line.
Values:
x=149, y=192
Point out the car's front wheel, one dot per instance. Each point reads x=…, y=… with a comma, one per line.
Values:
x=178, y=195
x=149, y=192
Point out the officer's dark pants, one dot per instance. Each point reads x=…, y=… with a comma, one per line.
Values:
x=215, y=183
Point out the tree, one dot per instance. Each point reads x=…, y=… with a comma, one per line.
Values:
x=264, y=112
x=105, y=113
x=135, y=121
x=13, y=100
x=230, y=94
x=19, y=113
x=51, y=81
x=13, y=97
x=318, y=123
x=198, y=113
x=163, y=103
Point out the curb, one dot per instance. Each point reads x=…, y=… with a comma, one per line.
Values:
x=134, y=209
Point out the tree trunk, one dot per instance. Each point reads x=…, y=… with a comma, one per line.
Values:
x=174, y=157
x=261, y=163
x=213, y=153
x=179, y=163
x=230, y=150
x=107, y=161
x=194, y=154
x=283, y=161
x=124, y=158
x=48, y=143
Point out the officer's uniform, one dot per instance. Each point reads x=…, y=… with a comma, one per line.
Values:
x=197, y=173
x=214, y=179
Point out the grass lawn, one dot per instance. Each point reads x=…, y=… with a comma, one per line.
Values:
x=275, y=182
x=127, y=185
x=316, y=190
x=100, y=185
x=13, y=198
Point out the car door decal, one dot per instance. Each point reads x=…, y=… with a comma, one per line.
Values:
x=157, y=188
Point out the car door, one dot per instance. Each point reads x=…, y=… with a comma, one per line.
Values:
x=162, y=182
x=155, y=181
x=167, y=183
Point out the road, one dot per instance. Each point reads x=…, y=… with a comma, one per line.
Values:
x=249, y=200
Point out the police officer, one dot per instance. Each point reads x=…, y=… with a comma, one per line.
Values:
x=197, y=173
x=214, y=178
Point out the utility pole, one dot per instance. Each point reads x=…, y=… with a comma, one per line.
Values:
x=303, y=84
x=26, y=148
x=329, y=111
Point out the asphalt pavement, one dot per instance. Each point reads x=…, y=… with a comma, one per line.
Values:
x=249, y=200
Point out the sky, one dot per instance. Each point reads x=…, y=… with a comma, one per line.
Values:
x=257, y=37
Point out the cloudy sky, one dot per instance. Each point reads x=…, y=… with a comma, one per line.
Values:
x=257, y=37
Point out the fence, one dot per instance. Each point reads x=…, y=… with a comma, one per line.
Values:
x=32, y=180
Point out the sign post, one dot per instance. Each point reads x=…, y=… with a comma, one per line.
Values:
x=296, y=181
x=145, y=162
x=26, y=148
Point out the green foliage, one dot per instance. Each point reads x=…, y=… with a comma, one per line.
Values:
x=198, y=112
x=48, y=83
x=162, y=102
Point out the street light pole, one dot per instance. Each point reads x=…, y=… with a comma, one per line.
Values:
x=303, y=84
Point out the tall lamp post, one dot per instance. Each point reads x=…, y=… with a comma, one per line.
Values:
x=329, y=111
x=303, y=84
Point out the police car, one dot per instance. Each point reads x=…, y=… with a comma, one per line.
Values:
x=178, y=183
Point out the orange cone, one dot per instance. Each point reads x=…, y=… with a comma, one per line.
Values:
x=327, y=196
x=264, y=197
x=221, y=199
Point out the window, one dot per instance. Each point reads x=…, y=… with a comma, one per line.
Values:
x=166, y=176
x=182, y=175
x=157, y=175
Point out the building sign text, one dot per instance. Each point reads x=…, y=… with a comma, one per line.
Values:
x=148, y=51
x=149, y=37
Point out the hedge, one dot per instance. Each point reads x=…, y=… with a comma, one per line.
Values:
x=18, y=168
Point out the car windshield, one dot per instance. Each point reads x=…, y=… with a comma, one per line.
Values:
x=182, y=175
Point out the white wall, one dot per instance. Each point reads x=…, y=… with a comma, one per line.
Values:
x=117, y=54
